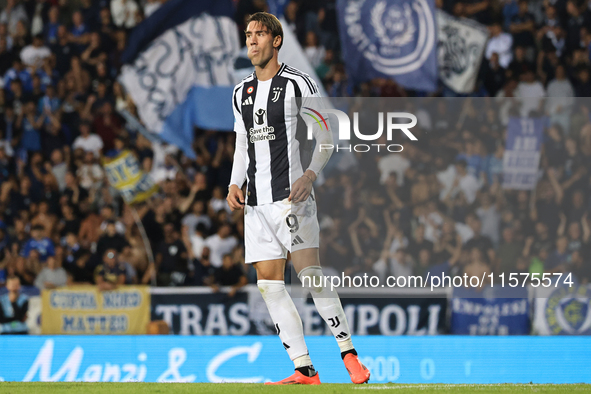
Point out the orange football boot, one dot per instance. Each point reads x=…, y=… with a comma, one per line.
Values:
x=357, y=371
x=299, y=378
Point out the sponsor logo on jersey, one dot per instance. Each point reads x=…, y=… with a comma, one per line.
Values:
x=248, y=101
x=262, y=134
x=260, y=116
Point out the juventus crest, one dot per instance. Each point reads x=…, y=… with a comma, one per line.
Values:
x=276, y=93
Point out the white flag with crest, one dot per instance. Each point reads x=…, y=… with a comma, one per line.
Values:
x=461, y=45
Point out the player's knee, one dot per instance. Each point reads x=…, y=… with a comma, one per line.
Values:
x=313, y=279
x=268, y=287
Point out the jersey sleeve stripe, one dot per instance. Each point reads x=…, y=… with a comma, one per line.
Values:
x=310, y=86
x=235, y=102
x=306, y=77
x=295, y=71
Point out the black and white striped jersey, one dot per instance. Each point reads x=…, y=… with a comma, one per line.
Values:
x=278, y=150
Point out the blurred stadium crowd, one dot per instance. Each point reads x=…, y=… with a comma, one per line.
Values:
x=438, y=205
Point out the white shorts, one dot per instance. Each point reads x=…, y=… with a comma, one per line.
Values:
x=272, y=230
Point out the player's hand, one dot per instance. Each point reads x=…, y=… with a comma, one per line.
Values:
x=235, y=198
x=301, y=189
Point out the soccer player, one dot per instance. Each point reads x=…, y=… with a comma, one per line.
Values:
x=280, y=210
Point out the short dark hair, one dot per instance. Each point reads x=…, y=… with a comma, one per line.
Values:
x=270, y=21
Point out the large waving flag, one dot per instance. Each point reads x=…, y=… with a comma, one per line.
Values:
x=461, y=45
x=179, y=69
x=390, y=39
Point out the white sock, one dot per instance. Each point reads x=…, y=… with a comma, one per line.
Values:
x=329, y=306
x=286, y=319
x=302, y=361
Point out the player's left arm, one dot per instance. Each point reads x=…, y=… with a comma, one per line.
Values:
x=302, y=187
x=235, y=197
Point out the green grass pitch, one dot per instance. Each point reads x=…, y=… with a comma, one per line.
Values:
x=233, y=388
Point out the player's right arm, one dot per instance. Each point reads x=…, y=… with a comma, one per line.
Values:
x=235, y=196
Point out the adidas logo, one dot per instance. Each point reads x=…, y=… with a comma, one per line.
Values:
x=248, y=101
x=297, y=240
x=342, y=335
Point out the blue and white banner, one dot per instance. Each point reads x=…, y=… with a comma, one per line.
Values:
x=198, y=311
x=461, y=45
x=522, y=153
x=450, y=359
x=179, y=69
x=505, y=311
x=390, y=39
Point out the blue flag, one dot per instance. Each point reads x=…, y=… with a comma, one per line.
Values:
x=179, y=69
x=390, y=39
x=522, y=153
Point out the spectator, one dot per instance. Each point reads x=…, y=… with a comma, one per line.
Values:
x=42, y=244
x=51, y=276
x=499, y=43
x=91, y=174
x=13, y=13
x=111, y=239
x=79, y=33
x=583, y=86
x=33, y=55
x=580, y=268
x=509, y=251
x=558, y=260
x=519, y=64
x=171, y=259
x=87, y=141
x=313, y=50
x=107, y=125
x=50, y=28
x=110, y=274
x=5, y=56
x=494, y=75
x=63, y=49
x=13, y=309
x=197, y=242
x=560, y=99
x=220, y=244
x=80, y=271
x=229, y=274
x=125, y=13
x=531, y=92
x=490, y=217
x=58, y=168
x=464, y=183
x=401, y=264
x=522, y=27
x=108, y=215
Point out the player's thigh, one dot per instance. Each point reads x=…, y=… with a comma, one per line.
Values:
x=305, y=258
x=260, y=238
x=270, y=269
